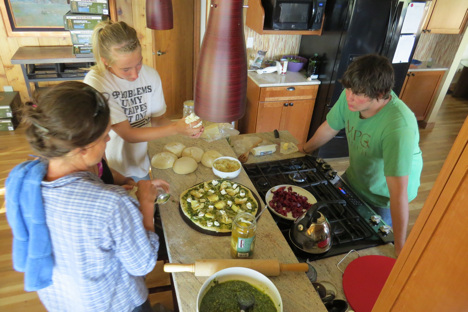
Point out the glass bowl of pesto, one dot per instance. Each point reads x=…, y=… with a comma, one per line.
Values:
x=222, y=289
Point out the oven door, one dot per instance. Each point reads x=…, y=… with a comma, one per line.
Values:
x=293, y=14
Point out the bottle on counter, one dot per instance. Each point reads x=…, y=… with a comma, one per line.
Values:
x=188, y=108
x=244, y=229
x=313, y=67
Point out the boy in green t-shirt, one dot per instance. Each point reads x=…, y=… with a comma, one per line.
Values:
x=385, y=160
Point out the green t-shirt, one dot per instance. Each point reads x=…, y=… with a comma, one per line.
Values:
x=384, y=145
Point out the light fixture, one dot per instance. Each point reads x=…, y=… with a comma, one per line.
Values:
x=159, y=14
x=221, y=83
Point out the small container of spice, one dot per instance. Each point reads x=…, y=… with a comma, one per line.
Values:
x=244, y=229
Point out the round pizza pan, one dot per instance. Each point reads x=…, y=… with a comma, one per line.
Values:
x=213, y=233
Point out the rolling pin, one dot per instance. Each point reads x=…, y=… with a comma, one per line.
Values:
x=209, y=267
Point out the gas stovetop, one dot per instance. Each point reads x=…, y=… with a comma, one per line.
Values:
x=353, y=223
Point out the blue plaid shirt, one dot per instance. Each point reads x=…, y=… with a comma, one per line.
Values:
x=101, y=249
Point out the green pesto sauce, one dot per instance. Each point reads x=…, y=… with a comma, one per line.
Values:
x=222, y=297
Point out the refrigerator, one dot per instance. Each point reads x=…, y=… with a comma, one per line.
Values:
x=353, y=28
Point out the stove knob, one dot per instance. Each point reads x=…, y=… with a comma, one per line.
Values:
x=385, y=229
x=319, y=161
x=300, y=227
x=376, y=219
x=326, y=166
x=332, y=174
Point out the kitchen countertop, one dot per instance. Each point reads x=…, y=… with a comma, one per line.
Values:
x=327, y=270
x=285, y=136
x=423, y=67
x=275, y=80
x=186, y=245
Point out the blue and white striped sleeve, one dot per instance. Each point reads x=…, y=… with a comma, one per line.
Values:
x=135, y=247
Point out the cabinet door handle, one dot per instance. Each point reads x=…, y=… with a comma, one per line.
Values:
x=285, y=104
x=408, y=74
x=291, y=89
x=412, y=74
x=291, y=104
x=428, y=30
x=424, y=31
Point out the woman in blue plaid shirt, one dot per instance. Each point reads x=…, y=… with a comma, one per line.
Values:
x=83, y=245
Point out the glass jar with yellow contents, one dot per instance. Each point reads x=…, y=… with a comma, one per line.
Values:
x=244, y=229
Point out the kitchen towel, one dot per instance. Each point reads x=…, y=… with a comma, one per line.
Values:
x=32, y=250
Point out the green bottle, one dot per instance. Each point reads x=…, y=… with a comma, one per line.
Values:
x=312, y=69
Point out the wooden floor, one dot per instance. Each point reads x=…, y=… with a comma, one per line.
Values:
x=435, y=144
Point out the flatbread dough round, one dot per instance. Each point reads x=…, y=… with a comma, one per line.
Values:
x=132, y=192
x=163, y=160
x=175, y=148
x=193, y=152
x=185, y=165
x=213, y=205
x=209, y=157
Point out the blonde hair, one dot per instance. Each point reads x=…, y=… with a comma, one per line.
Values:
x=109, y=37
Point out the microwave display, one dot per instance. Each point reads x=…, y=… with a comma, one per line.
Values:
x=293, y=13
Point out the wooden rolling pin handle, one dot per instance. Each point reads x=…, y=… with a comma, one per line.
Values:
x=294, y=267
x=178, y=267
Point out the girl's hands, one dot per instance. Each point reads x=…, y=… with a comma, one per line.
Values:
x=128, y=183
x=188, y=130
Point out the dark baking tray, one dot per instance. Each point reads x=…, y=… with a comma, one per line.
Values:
x=199, y=229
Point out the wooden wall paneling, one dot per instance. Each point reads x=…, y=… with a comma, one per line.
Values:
x=196, y=39
x=176, y=66
x=448, y=190
x=144, y=34
x=3, y=77
x=124, y=11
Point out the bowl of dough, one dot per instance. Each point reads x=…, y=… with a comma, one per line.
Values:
x=226, y=167
x=229, y=288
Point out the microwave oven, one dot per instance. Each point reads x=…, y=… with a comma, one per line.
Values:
x=294, y=14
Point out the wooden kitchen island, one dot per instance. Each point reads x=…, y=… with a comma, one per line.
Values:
x=185, y=245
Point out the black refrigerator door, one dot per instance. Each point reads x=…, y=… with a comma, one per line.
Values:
x=362, y=29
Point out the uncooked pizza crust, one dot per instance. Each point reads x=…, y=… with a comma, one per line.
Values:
x=213, y=205
x=163, y=160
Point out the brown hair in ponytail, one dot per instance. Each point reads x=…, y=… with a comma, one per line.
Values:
x=67, y=116
x=110, y=37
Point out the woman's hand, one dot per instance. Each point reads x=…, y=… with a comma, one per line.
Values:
x=187, y=129
x=146, y=195
x=162, y=184
x=146, y=192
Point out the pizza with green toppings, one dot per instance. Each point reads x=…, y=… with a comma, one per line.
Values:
x=213, y=205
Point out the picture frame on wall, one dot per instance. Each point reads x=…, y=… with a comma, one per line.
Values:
x=34, y=18
x=37, y=18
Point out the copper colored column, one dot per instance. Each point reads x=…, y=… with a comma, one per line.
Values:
x=221, y=86
x=159, y=14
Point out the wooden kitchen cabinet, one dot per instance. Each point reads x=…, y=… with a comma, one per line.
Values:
x=283, y=108
x=256, y=18
x=446, y=17
x=419, y=90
